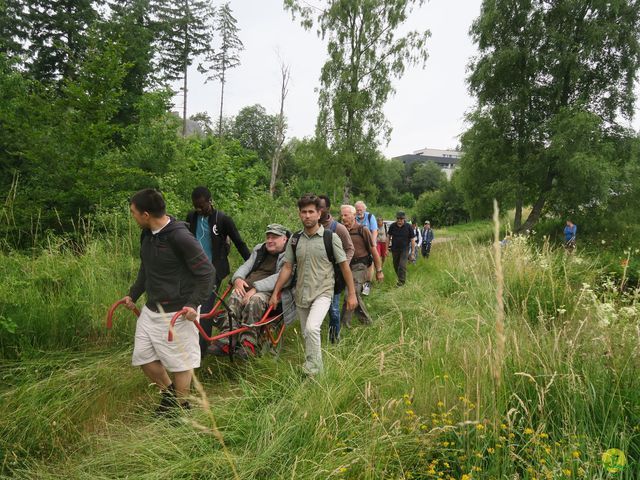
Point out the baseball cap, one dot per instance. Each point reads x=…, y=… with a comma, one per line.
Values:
x=276, y=229
x=427, y=221
x=401, y=214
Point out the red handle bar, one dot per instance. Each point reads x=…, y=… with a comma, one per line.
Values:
x=178, y=314
x=113, y=308
x=214, y=311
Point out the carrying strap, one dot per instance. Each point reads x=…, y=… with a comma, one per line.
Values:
x=327, y=238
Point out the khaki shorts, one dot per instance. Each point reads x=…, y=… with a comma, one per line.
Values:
x=151, y=343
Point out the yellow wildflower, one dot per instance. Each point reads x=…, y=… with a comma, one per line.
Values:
x=528, y=431
x=575, y=454
x=566, y=472
x=479, y=426
x=490, y=450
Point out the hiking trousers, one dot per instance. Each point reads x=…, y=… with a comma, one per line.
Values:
x=310, y=323
x=360, y=277
x=400, y=258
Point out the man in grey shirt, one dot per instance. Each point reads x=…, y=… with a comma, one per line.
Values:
x=307, y=252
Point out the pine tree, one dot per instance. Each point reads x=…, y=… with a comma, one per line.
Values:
x=131, y=25
x=57, y=37
x=185, y=33
x=13, y=29
x=228, y=55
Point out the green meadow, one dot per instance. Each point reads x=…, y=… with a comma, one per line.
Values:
x=445, y=384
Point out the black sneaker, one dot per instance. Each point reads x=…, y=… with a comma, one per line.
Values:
x=168, y=402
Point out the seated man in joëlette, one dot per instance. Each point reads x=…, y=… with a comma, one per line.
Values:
x=253, y=284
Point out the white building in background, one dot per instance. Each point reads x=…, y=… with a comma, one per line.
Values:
x=447, y=160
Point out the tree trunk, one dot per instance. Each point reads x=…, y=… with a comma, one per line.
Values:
x=222, y=81
x=346, y=193
x=275, y=160
x=536, y=212
x=184, y=102
x=274, y=172
x=517, y=221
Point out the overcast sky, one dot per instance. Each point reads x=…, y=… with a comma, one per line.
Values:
x=429, y=105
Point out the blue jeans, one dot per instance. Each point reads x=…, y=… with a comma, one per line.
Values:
x=334, y=317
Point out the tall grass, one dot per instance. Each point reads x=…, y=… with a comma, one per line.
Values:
x=413, y=396
x=55, y=298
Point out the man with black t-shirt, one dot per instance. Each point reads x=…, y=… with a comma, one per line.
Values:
x=402, y=241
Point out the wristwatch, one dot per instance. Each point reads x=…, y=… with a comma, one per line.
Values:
x=379, y=271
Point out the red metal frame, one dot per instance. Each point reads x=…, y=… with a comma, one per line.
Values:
x=216, y=308
x=113, y=308
x=263, y=323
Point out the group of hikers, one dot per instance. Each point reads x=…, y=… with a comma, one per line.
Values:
x=304, y=273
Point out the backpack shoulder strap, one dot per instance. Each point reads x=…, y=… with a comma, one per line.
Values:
x=333, y=226
x=294, y=242
x=327, y=237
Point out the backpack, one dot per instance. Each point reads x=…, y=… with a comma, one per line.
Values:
x=327, y=238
